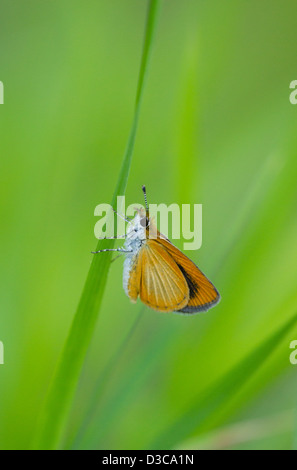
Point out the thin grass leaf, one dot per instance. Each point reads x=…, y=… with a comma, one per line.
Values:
x=217, y=396
x=65, y=380
x=188, y=127
x=121, y=395
x=242, y=432
x=251, y=207
x=102, y=380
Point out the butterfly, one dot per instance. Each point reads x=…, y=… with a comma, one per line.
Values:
x=158, y=273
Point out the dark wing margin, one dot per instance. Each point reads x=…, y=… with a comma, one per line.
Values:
x=202, y=293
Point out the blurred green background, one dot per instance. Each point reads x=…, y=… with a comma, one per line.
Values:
x=216, y=128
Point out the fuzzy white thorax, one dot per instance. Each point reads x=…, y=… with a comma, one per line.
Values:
x=136, y=236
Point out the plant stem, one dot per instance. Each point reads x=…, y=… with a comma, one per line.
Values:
x=58, y=402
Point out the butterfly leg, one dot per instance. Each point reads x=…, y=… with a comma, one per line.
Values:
x=120, y=250
x=112, y=238
x=127, y=219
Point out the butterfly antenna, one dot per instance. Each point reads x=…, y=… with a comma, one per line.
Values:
x=121, y=216
x=145, y=200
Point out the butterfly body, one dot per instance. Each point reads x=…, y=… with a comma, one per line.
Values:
x=136, y=236
x=160, y=274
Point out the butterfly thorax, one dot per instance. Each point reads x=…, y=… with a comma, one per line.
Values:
x=136, y=234
x=140, y=229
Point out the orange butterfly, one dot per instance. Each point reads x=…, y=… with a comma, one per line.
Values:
x=159, y=273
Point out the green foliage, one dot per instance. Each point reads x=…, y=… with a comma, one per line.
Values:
x=68, y=370
x=216, y=128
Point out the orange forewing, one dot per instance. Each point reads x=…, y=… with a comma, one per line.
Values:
x=203, y=294
x=167, y=280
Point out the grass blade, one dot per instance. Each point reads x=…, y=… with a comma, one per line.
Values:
x=102, y=380
x=243, y=432
x=218, y=396
x=64, y=383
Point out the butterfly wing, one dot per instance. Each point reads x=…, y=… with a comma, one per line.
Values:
x=203, y=294
x=160, y=283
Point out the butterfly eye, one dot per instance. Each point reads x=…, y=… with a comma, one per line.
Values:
x=144, y=222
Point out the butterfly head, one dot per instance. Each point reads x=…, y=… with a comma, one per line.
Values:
x=142, y=226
